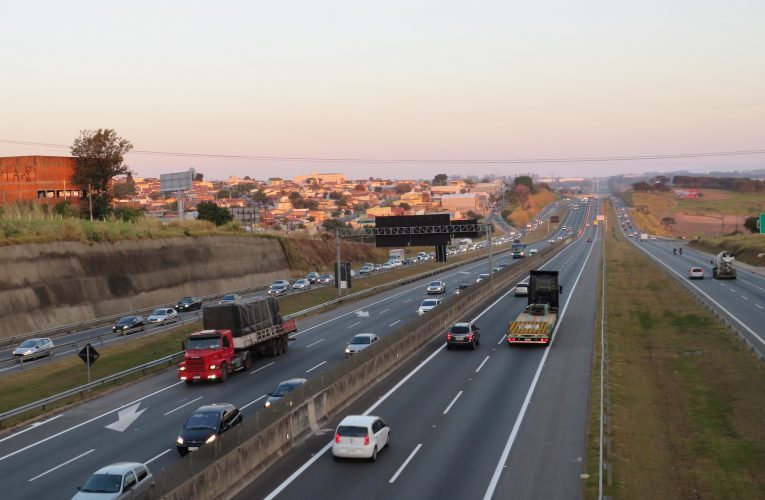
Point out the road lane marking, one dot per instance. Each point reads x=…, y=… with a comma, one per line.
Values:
x=62, y=464
x=9, y=455
x=309, y=345
x=253, y=402
x=759, y=306
x=395, y=322
x=384, y=310
x=264, y=366
x=392, y=390
x=351, y=326
x=406, y=462
x=183, y=405
x=745, y=297
x=452, y=403
x=156, y=457
x=482, y=363
x=408, y=300
x=315, y=367
x=32, y=426
x=522, y=413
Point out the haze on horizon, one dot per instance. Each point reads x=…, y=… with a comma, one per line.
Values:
x=390, y=80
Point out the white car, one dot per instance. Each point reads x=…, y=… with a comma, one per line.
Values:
x=436, y=287
x=360, y=436
x=696, y=273
x=481, y=277
x=33, y=349
x=162, y=316
x=360, y=342
x=120, y=480
x=521, y=289
x=428, y=305
x=533, y=251
x=278, y=289
x=229, y=298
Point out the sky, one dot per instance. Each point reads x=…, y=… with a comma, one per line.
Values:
x=437, y=86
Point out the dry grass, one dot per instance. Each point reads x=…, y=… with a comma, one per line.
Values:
x=747, y=247
x=521, y=215
x=687, y=401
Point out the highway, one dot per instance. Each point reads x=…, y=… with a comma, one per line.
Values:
x=741, y=301
x=140, y=422
x=497, y=422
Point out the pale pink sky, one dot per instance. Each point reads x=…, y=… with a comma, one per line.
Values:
x=428, y=80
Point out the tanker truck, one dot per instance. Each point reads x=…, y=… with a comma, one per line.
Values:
x=723, y=266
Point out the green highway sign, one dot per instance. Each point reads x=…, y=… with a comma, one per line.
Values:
x=762, y=223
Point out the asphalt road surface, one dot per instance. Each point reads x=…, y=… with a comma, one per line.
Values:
x=140, y=422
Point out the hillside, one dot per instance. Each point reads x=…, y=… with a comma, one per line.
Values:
x=519, y=216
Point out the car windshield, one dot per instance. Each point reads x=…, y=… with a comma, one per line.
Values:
x=429, y=303
x=460, y=329
x=462, y=286
x=352, y=431
x=361, y=339
x=103, y=483
x=197, y=344
x=277, y=287
x=285, y=388
x=29, y=343
x=159, y=312
x=185, y=300
x=229, y=297
x=435, y=283
x=522, y=285
x=125, y=321
x=202, y=420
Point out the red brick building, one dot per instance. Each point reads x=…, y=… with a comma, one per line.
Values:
x=44, y=178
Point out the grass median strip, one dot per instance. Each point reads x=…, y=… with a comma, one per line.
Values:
x=686, y=399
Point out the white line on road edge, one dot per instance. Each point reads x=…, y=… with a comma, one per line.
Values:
x=32, y=426
x=395, y=322
x=452, y=403
x=315, y=367
x=406, y=462
x=385, y=396
x=88, y=421
x=183, y=405
x=482, y=363
x=602, y=368
x=156, y=457
x=253, y=402
x=309, y=345
x=61, y=465
x=511, y=439
x=264, y=366
x=356, y=323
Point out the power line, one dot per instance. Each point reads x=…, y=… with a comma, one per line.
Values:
x=418, y=160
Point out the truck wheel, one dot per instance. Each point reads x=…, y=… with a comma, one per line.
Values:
x=285, y=343
x=223, y=373
x=247, y=361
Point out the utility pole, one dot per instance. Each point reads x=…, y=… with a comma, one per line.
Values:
x=339, y=271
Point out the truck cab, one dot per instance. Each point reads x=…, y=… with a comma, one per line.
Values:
x=209, y=355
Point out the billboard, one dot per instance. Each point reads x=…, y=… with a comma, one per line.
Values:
x=179, y=181
x=412, y=230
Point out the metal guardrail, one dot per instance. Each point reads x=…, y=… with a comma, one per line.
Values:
x=42, y=403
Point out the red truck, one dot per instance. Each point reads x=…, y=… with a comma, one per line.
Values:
x=233, y=333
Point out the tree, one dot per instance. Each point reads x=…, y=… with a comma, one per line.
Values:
x=524, y=180
x=359, y=187
x=668, y=221
x=172, y=206
x=440, y=180
x=471, y=215
x=404, y=205
x=100, y=156
x=332, y=224
x=335, y=195
x=403, y=187
x=212, y=212
x=641, y=186
x=199, y=177
x=124, y=189
x=751, y=224
x=223, y=193
x=156, y=195
x=260, y=196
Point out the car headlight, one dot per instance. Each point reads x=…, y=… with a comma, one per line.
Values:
x=179, y=440
x=210, y=439
x=213, y=366
x=125, y=327
x=268, y=404
x=347, y=350
x=182, y=368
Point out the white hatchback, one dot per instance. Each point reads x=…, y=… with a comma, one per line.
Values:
x=428, y=305
x=360, y=436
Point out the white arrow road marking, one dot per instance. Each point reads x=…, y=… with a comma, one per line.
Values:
x=362, y=314
x=125, y=418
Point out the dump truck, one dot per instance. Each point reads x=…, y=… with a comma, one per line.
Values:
x=535, y=325
x=233, y=334
x=723, y=266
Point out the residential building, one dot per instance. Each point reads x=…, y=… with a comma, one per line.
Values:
x=47, y=179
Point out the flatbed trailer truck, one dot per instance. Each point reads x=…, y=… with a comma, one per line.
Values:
x=233, y=334
x=535, y=325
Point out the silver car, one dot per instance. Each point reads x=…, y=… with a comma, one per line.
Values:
x=435, y=287
x=360, y=342
x=118, y=481
x=33, y=349
x=283, y=389
x=162, y=316
x=301, y=284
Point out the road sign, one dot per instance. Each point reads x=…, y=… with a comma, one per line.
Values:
x=762, y=223
x=88, y=354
